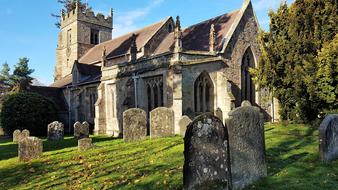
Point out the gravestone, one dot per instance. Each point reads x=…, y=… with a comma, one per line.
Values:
x=247, y=145
x=30, y=148
x=246, y=103
x=2, y=133
x=85, y=144
x=162, y=122
x=55, y=131
x=206, y=155
x=134, y=125
x=81, y=130
x=18, y=135
x=219, y=114
x=183, y=123
x=328, y=142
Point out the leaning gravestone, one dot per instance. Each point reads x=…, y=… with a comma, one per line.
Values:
x=183, y=123
x=55, y=131
x=206, y=155
x=85, y=144
x=162, y=122
x=81, y=130
x=328, y=134
x=247, y=145
x=18, y=135
x=30, y=148
x=134, y=125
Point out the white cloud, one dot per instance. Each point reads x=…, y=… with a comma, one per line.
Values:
x=125, y=22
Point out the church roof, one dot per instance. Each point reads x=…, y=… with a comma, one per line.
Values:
x=196, y=37
x=65, y=81
x=121, y=45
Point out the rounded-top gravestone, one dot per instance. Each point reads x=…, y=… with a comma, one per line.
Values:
x=183, y=123
x=55, y=131
x=134, y=125
x=30, y=148
x=18, y=135
x=206, y=155
x=81, y=130
x=247, y=145
x=162, y=122
x=328, y=138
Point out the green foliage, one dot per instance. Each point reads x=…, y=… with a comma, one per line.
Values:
x=22, y=72
x=290, y=61
x=27, y=111
x=4, y=75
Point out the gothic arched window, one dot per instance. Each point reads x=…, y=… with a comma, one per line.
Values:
x=203, y=94
x=247, y=85
x=154, y=92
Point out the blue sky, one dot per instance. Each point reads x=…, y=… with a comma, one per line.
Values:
x=27, y=29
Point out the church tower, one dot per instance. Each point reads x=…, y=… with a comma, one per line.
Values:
x=79, y=32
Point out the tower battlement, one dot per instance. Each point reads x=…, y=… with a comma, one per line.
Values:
x=87, y=16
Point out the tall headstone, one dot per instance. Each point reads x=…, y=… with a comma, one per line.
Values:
x=55, y=131
x=81, y=130
x=18, y=135
x=183, y=123
x=134, y=125
x=85, y=144
x=328, y=142
x=247, y=145
x=206, y=155
x=162, y=122
x=30, y=148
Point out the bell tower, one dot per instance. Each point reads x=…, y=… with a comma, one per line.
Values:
x=79, y=31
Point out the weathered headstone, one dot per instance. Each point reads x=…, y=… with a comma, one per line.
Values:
x=183, y=123
x=18, y=135
x=85, y=144
x=134, y=125
x=2, y=133
x=328, y=134
x=219, y=114
x=55, y=131
x=81, y=130
x=247, y=145
x=246, y=103
x=30, y=148
x=162, y=122
x=206, y=155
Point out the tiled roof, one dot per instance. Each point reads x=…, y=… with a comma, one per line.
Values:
x=65, y=81
x=121, y=45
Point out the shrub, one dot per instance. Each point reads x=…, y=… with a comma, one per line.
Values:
x=27, y=111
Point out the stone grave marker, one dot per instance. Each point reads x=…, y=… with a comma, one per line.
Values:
x=162, y=122
x=30, y=148
x=85, y=144
x=247, y=145
x=206, y=155
x=219, y=114
x=18, y=135
x=183, y=123
x=55, y=131
x=328, y=138
x=81, y=130
x=134, y=125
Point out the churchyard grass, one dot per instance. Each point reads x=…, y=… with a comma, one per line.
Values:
x=292, y=157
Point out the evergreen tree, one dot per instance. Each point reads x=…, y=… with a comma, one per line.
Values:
x=22, y=72
x=288, y=66
x=4, y=75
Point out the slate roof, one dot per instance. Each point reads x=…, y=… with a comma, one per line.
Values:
x=121, y=45
x=65, y=81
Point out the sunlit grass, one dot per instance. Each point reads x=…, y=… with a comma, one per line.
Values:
x=292, y=157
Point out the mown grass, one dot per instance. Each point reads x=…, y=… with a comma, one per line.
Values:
x=292, y=157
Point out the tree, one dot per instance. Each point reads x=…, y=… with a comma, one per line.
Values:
x=22, y=72
x=68, y=6
x=4, y=75
x=289, y=64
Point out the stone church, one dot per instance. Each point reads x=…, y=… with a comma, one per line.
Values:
x=201, y=68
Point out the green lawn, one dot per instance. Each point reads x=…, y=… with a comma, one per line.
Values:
x=292, y=156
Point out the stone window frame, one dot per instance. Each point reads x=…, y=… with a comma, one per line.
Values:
x=205, y=86
x=248, y=87
x=154, y=87
x=94, y=36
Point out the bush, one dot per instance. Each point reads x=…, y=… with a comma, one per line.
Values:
x=27, y=111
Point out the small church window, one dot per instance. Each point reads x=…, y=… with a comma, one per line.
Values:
x=154, y=92
x=203, y=94
x=69, y=37
x=94, y=36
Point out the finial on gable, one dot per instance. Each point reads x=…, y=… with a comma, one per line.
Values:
x=104, y=51
x=133, y=49
x=212, y=39
x=178, y=23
